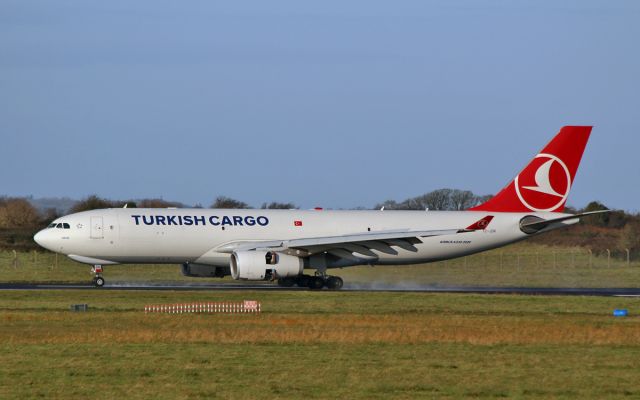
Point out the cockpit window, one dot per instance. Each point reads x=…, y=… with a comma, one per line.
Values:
x=59, y=225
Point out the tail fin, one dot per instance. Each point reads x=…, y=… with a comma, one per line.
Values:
x=544, y=184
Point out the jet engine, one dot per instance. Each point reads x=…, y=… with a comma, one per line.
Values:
x=262, y=265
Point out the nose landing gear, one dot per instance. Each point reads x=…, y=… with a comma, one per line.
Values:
x=98, y=280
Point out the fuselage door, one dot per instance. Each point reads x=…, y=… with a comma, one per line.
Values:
x=96, y=228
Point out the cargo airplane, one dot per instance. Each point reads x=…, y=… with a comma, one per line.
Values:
x=278, y=245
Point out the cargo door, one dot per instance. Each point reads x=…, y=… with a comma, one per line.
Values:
x=97, y=231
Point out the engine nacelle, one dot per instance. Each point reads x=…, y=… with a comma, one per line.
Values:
x=262, y=265
x=204, y=271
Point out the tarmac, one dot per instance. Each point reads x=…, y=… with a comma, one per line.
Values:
x=545, y=291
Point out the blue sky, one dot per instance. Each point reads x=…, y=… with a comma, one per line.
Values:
x=337, y=104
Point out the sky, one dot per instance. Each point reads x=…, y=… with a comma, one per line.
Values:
x=334, y=104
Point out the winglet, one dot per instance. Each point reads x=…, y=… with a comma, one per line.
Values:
x=479, y=225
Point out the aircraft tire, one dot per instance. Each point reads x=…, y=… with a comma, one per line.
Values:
x=334, y=283
x=286, y=282
x=303, y=280
x=98, y=281
x=316, y=283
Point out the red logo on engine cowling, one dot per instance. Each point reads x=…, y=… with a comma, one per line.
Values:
x=544, y=185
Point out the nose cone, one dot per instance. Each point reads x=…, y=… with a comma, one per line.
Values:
x=43, y=239
x=38, y=237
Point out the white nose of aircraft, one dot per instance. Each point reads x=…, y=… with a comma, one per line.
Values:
x=44, y=239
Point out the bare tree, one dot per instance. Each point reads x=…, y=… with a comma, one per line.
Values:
x=18, y=213
x=278, y=206
x=441, y=199
x=630, y=237
x=598, y=219
x=438, y=200
x=414, y=203
x=388, y=205
x=461, y=199
x=92, y=202
x=481, y=199
x=157, y=203
x=228, y=202
x=49, y=215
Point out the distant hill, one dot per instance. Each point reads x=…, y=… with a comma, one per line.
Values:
x=61, y=204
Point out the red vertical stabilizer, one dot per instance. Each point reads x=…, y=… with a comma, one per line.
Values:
x=544, y=184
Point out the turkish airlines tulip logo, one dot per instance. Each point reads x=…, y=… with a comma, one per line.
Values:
x=544, y=185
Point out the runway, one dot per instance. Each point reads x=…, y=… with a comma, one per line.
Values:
x=625, y=292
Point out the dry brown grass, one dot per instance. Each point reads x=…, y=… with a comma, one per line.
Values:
x=133, y=327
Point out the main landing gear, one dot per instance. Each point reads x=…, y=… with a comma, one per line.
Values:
x=98, y=280
x=316, y=282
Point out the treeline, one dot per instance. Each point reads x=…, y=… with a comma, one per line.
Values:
x=441, y=200
x=615, y=231
x=19, y=221
x=94, y=203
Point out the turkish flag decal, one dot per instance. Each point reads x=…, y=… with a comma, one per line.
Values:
x=297, y=223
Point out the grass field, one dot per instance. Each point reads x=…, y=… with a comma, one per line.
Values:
x=517, y=265
x=318, y=345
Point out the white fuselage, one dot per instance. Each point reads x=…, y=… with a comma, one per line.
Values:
x=174, y=236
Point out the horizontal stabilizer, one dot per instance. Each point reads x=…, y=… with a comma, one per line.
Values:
x=532, y=226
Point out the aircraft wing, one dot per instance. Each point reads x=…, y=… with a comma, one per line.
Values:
x=356, y=246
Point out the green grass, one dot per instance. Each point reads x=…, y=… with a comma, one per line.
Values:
x=323, y=371
x=516, y=265
x=49, y=267
x=319, y=345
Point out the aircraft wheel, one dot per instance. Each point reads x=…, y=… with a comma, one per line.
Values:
x=334, y=283
x=303, y=280
x=98, y=281
x=286, y=282
x=315, y=282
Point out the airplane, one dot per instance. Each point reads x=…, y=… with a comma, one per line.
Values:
x=277, y=245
